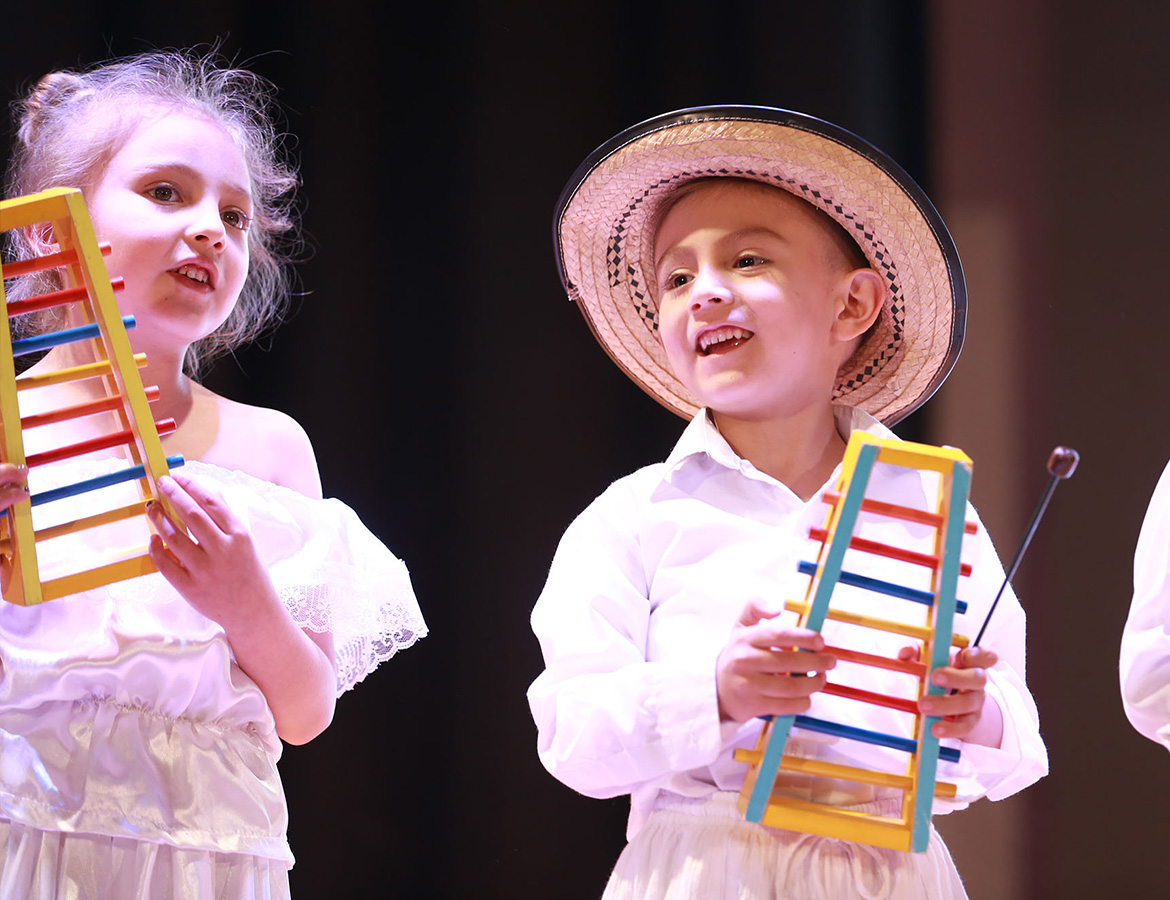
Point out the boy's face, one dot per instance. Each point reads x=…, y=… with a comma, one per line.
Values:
x=750, y=286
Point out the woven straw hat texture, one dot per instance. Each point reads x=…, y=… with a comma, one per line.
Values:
x=604, y=229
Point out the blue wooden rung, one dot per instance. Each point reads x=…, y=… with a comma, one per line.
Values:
x=926, y=598
x=39, y=342
x=92, y=484
x=881, y=739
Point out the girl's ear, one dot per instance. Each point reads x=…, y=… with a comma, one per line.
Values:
x=862, y=295
x=41, y=238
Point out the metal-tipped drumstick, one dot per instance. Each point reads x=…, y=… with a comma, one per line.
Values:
x=1061, y=465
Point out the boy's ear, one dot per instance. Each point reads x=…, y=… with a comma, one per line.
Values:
x=863, y=293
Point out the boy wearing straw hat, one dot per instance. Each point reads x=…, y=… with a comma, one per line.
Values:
x=779, y=283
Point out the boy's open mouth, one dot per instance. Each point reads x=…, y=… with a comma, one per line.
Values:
x=721, y=340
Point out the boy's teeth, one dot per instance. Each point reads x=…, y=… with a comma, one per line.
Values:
x=709, y=340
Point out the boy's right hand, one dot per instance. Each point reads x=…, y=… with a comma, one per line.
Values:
x=765, y=669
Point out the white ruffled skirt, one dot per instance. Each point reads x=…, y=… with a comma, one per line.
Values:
x=704, y=850
x=53, y=865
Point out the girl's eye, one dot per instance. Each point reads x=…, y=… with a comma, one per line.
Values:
x=163, y=193
x=237, y=218
x=674, y=282
x=749, y=260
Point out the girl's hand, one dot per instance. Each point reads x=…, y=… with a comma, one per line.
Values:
x=13, y=484
x=218, y=571
x=765, y=668
x=965, y=710
x=13, y=489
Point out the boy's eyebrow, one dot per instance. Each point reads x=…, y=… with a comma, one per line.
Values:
x=731, y=237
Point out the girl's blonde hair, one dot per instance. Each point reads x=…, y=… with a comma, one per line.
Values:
x=72, y=123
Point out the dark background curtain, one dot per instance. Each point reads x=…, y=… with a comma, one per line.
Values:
x=456, y=399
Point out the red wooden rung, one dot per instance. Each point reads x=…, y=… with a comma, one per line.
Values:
x=895, y=511
x=51, y=261
x=877, y=548
x=899, y=703
x=89, y=408
x=56, y=298
x=909, y=666
x=116, y=439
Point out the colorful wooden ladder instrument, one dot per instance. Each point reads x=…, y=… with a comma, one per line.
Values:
x=90, y=294
x=928, y=620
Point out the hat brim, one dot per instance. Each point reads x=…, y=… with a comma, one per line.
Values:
x=605, y=216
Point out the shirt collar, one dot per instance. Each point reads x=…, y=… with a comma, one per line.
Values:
x=701, y=439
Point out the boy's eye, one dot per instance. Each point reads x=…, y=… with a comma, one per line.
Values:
x=236, y=218
x=748, y=260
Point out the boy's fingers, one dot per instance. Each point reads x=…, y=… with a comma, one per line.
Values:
x=767, y=637
x=975, y=658
x=786, y=686
x=755, y=612
x=963, y=680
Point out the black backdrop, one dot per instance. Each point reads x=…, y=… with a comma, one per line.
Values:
x=455, y=398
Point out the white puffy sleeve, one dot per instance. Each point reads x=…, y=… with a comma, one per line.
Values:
x=1145, y=642
x=331, y=572
x=609, y=719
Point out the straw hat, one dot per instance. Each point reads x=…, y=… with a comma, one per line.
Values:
x=604, y=235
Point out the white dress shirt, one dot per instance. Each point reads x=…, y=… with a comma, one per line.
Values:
x=642, y=595
x=1145, y=643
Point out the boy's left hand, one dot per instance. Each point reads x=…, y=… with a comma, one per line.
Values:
x=964, y=710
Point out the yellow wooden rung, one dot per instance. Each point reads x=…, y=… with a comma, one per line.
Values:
x=76, y=373
x=844, y=773
x=842, y=823
x=920, y=632
x=94, y=521
x=140, y=564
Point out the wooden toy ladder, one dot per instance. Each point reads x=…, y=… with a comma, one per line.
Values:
x=90, y=295
x=760, y=801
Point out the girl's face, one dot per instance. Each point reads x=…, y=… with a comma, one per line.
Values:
x=174, y=203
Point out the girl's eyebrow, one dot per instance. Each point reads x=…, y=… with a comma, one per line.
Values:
x=187, y=171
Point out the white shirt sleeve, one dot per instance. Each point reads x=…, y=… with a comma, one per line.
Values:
x=1021, y=758
x=608, y=720
x=1145, y=642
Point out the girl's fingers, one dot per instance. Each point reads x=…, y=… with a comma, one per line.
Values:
x=209, y=502
x=176, y=540
x=165, y=562
x=10, y=496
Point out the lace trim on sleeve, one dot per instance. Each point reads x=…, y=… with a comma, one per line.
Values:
x=371, y=615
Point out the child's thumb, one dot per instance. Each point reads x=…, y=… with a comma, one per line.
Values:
x=757, y=611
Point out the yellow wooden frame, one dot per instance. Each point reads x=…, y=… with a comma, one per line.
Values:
x=63, y=210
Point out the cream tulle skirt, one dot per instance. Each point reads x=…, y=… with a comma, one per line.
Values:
x=51, y=865
x=704, y=850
